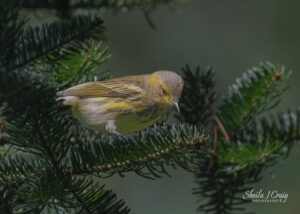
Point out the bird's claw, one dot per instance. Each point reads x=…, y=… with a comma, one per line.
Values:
x=111, y=128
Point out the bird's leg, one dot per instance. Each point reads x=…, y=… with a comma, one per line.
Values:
x=111, y=127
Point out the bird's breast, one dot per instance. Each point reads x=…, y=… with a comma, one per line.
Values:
x=132, y=122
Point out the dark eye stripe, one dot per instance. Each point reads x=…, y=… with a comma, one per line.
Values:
x=163, y=91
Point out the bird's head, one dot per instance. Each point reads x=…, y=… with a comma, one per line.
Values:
x=166, y=88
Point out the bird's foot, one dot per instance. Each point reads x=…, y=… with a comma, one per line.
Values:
x=112, y=128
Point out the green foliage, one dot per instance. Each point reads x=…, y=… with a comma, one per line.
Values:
x=83, y=63
x=220, y=191
x=91, y=197
x=267, y=82
x=53, y=40
x=11, y=29
x=146, y=153
x=244, y=155
x=242, y=142
x=46, y=194
x=198, y=95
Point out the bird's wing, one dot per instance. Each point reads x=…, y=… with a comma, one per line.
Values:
x=124, y=87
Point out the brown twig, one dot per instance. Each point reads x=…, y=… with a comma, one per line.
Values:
x=218, y=123
x=214, y=147
x=214, y=115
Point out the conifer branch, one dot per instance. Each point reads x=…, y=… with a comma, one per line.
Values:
x=196, y=108
x=232, y=163
x=11, y=29
x=257, y=91
x=42, y=41
x=148, y=150
x=93, y=4
x=82, y=65
x=91, y=197
x=213, y=114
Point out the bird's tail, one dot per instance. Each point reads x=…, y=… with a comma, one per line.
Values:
x=66, y=100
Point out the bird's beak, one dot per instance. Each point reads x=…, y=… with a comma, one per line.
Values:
x=175, y=103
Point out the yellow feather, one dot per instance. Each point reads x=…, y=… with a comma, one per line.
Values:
x=117, y=105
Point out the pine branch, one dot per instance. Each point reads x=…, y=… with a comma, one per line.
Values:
x=44, y=41
x=26, y=93
x=92, y=4
x=29, y=174
x=49, y=192
x=90, y=197
x=257, y=91
x=237, y=165
x=16, y=168
x=30, y=112
x=82, y=65
x=197, y=103
x=233, y=163
x=145, y=153
x=17, y=172
x=6, y=199
x=198, y=96
x=284, y=128
x=37, y=193
x=218, y=192
x=261, y=142
x=36, y=186
x=147, y=150
x=11, y=29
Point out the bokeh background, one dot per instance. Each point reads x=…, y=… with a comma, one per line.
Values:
x=231, y=36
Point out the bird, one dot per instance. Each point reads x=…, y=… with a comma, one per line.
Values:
x=124, y=104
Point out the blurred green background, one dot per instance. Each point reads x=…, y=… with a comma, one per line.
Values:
x=231, y=36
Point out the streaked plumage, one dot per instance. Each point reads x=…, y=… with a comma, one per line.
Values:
x=125, y=104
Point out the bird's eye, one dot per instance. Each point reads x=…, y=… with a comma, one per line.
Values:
x=163, y=92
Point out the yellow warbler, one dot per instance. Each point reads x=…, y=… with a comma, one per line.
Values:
x=125, y=104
